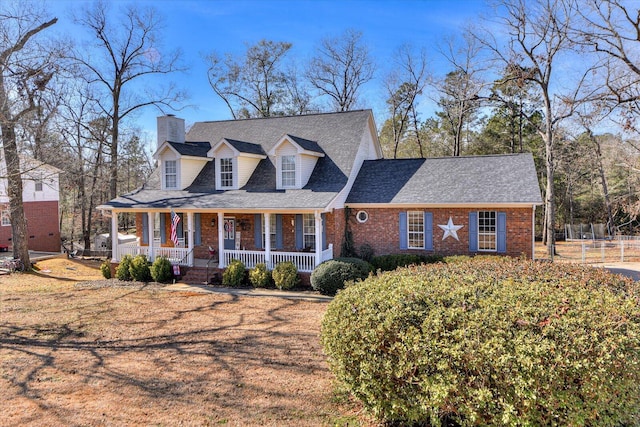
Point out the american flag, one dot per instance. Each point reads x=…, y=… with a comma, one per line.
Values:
x=175, y=219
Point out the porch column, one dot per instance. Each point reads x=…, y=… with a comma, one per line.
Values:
x=267, y=240
x=221, y=262
x=190, y=238
x=114, y=236
x=152, y=226
x=318, y=218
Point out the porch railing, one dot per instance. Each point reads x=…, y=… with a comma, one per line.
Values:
x=304, y=261
x=180, y=256
x=248, y=258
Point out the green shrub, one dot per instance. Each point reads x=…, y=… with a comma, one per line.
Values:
x=139, y=268
x=285, y=275
x=123, y=271
x=105, y=269
x=393, y=261
x=366, y=252
x=260, y=276
x=234, y=274
x=331, y=276
x=161, y=270
x=488, y=342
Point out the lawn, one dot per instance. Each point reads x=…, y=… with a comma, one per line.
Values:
x=76, y=353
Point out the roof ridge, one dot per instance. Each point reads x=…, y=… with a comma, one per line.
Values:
x=287, y=116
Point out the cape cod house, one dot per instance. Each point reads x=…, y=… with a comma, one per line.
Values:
x=290, y=188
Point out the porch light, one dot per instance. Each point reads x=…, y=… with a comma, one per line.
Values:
x=213, y=222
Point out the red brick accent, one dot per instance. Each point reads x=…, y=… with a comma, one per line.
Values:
x=43, y=227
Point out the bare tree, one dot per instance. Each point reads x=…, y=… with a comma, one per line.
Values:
x=256, y=85
x=128, y=54
x=340, y=69
x=26, y=67
x=538, y=34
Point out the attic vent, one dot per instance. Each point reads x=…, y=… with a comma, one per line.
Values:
x=362, y=216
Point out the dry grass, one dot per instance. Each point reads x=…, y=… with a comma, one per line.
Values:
x=77, y=355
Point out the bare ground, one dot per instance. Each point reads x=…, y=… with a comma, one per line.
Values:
x=72, y=353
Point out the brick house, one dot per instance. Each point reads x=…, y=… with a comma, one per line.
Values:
x=40, y=195
x=288, y=188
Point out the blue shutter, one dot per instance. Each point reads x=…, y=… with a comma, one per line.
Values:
x=324, y=231
x=428, y=231
x=180, y=230
x=197, y=229
x=502, y=232
x=299, y=235
x=403, y=230
x=473, y=232
x=145, y=228
x=257, y=230
x=279, y=243
x=163, y=230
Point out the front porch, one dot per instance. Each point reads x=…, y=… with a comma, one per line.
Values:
x=213, y=240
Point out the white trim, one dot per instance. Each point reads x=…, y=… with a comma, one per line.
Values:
x=495, y=231
x=421, y=216
x=366, y=216
x=163, y=166
x=289, y=138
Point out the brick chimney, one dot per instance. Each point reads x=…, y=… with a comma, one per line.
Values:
x=170, y=128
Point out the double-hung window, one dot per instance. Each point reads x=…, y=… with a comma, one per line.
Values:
x=415, y=229
x=288, y=171
x=272, y=231
x=226, y=172
x=487, y=231
x=5, y=219
x=170, y=174
x=309, y=231
x=38, y=183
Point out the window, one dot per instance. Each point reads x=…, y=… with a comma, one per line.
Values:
x=226, y=172
x=487, y=231
x=5, y=219
x=38, y=182
x=272, y=231
x=415, y=229
x=362, y=216
x=288, y=168
x=170, y=174
x=309, y=231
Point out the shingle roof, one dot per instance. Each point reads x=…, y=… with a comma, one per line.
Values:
x=448, y=180
x=195, y=149
x=306, y=144
x=246, y=147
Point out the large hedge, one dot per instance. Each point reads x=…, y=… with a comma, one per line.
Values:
x=393, y=261
x=330, y=276
x=490, y=342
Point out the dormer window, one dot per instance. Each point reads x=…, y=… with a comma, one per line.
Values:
x=226, y=172
x=170, y=174
x=288, y=170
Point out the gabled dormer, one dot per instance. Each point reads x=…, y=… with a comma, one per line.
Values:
x=180, y=162
x=235, y=162
x=295, y=159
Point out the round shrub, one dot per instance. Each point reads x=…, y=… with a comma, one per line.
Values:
x=489, y=342
x=105, y=269
x=285, y=275
x=330, y=276
x=139, y=268
x=123, y=271
x=234, y=274
x=161, y=270
x=260, y=276
x=366, y=252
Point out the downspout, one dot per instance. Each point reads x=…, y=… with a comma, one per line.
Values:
x=533, y=233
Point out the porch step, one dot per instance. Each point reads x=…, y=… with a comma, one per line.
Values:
x=199, y=275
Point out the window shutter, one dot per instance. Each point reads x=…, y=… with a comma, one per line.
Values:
x=473, y=232
x=502, y=232
x=180, y=228
x=197, y=229
x=145, y=228
x=257, y=230
x=299, y=235
x=163, y=230
x=324, y=231
x=279, y=244
x=428, y=231
x=403, y=230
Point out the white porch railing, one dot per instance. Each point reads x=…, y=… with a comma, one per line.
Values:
x=248, y=258
x=327, y=254
x=304, y=261
x=180, y=256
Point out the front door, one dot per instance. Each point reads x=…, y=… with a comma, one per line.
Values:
x=229, y=233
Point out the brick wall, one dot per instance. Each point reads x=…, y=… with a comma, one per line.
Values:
x=43, y=227
x=381, y=231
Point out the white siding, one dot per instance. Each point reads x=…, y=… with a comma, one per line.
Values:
x=50, y=185
x=189, y=169
x=246, y=166
x=307, y=163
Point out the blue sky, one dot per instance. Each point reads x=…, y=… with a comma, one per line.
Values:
x=200, y=27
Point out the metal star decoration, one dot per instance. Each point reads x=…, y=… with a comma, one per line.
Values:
x=450, y=229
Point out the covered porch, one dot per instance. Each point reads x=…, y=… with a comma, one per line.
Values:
x=214, y=239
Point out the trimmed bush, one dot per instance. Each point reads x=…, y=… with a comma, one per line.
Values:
x=366, y=252
x=488, y=342
x=285, y=275
x=260, y=276
x=161, y=270
x=105, y=269
x=393, y=261
x=123, y=271
x=234, y=274
x=139, y=268
x=331, y=276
